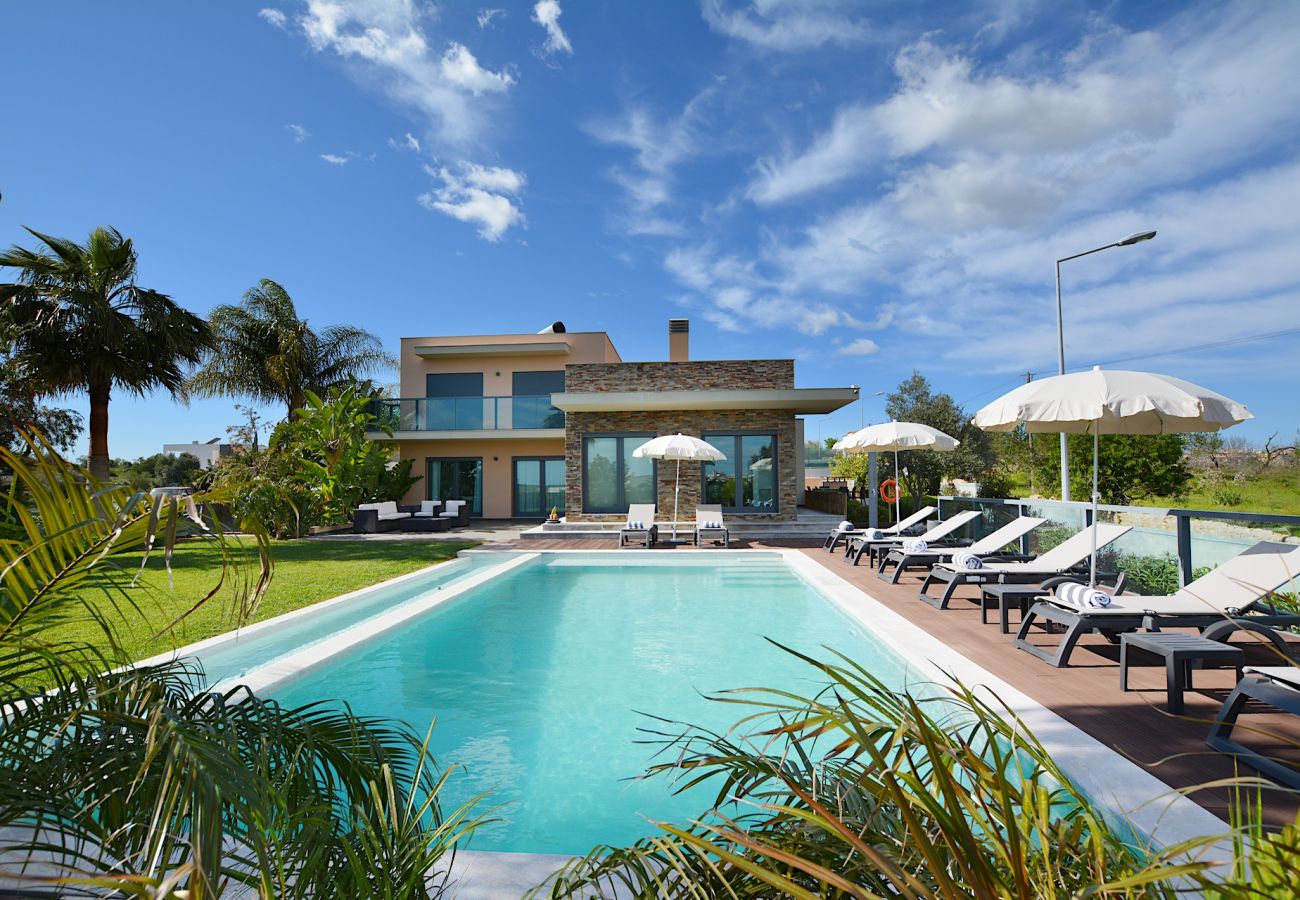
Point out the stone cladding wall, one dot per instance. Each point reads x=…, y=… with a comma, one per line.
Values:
x=680, y=376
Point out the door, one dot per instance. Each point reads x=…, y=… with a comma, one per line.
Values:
x=457, y=479
x=538, y=487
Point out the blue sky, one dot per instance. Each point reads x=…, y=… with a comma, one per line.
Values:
x=867, y=188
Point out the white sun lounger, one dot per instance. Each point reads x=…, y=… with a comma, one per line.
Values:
x=987, y=546
x=833, y=540
x=709, y=526
x=935, y=536
x=1233, y=594
x=1057, y=561
x=640, y=525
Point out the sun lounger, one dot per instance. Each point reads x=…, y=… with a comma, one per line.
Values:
x=833, y=539
x=936, y=536
x=1234, y=592
x=1057, y=561
x=709, y=526
x=1277, y=686
x=640, y=525
x=986, y=548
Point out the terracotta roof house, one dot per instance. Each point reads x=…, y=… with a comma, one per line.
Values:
x=520, y=424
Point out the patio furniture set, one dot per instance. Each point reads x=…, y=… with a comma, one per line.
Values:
x=1056, y=595
x=427, y=516
x=640, y=529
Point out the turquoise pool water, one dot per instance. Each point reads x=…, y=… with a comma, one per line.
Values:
x=536, y=679
x=231, y=659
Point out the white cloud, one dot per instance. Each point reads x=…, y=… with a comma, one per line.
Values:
x=787, y=25
x=274, y=17
x=335, y=160
x=845, y=149
x=547, y=14
x=480, y=195
x=486, y=16
x=860, y=347
x=299, y=133
x=461, y=68
x=407, y=142
x=385, y=40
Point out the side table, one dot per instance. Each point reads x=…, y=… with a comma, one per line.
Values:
x=1179, y=651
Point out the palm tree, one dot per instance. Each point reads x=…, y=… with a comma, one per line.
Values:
x=75, y=320
x=263, y=351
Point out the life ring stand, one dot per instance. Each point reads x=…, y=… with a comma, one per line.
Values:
x=889, y=490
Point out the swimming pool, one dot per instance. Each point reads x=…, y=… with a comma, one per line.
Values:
x=538, y=677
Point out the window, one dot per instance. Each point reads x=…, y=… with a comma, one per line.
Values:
x=612, y=478
x=454, y=402
x=539, y=486
x=531, y=405
x=456, y=478
x=746, y=480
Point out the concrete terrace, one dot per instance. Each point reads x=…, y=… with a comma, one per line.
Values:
x=1087, y=694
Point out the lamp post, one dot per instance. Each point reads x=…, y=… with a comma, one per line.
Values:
x=1137, y=238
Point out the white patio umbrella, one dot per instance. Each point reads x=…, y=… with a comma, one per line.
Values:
x=897, y=436
x=1111, y=402
x=678, y=447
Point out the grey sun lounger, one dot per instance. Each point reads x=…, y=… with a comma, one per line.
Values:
x=1057, y=561
x=936, y=536
x=648, y=531
x=833, y=539
x=1277, y=686
x=1227, y=598
x=987, y=547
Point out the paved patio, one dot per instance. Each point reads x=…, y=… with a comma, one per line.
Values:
x=1086, y=694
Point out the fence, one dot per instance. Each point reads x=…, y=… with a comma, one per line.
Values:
x=1193, y=538
x=828, y=501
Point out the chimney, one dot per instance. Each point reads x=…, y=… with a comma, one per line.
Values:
x=679, y=340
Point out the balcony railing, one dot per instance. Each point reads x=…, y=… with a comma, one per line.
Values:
x=468, y=413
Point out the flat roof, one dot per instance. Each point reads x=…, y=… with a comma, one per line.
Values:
x=451, y=351
x=800, y=400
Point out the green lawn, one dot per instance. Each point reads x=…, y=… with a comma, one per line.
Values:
x=306, y=572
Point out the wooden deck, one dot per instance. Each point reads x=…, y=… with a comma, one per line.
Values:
x=1087, y=693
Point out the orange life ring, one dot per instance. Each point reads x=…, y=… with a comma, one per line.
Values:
x=889, y=490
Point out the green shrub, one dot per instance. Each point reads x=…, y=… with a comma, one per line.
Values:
x=1228, y=496
x=1153, y=575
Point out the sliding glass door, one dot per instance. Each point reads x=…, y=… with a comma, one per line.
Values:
x=538, y=486
x=459, y=478
x=746, y=480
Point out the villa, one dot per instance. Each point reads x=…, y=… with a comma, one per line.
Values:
x=522, y=424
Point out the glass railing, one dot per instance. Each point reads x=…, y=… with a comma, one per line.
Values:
x=467, y=413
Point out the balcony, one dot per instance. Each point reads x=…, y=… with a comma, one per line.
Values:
x=472, y=414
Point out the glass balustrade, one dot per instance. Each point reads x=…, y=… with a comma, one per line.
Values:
x=467, y=413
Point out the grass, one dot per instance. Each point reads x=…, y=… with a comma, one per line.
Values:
x=306, y=572
x=1276, y=492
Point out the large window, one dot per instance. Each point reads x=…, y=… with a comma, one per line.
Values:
x=454, y=401
x=456, y=478
x=746, y=480
x=539, y=486
x=532, y=399
x=611, y=477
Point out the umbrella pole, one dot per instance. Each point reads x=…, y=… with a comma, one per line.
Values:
x=1092, y=580
x=677, y=484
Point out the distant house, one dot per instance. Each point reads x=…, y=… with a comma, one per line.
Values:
x=207, y=453
x=519, y=424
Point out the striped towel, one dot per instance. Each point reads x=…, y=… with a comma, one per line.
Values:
x=966, y=560
x=873, y=534
x=915, y=546
x=1081, y=595
x=846, y=525
x=634, y=526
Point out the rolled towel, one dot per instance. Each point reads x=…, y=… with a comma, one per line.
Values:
x=1082, y=595
x=873, y=534
x=915, y=546
x=966, y=560
x=846, y=525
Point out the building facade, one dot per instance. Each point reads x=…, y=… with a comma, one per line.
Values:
x=520, y=425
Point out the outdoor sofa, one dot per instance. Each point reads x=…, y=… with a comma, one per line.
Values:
x=988, y=548
x=936, y=536
x=1229, y=597
x=1057, y=561
x=372, y=518
x=833, y=539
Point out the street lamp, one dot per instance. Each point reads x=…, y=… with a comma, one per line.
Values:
x=1137, y=238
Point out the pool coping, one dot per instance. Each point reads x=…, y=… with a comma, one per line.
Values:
x=1118, y=786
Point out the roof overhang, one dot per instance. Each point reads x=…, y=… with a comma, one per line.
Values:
x=453, y=351
x=498, y=434
x=799, y=400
